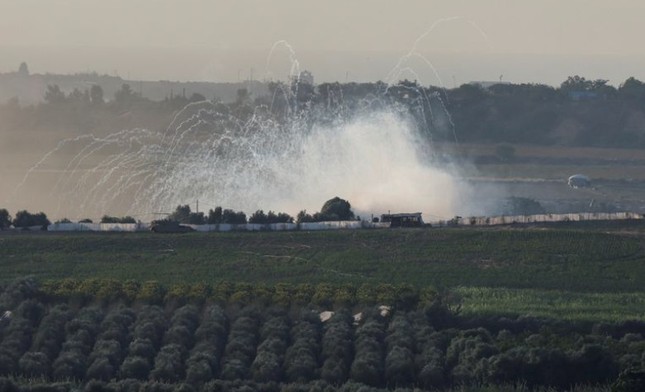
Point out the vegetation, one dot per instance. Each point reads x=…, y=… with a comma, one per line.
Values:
x=271, y=217
x=539, y=308
x=546, y=272
x=5, y=219
x=525, y=309
x=335, y=209
x=580, y=112
x=115, y=219
x=521, y=206
x=196, y=339
x=26, y=219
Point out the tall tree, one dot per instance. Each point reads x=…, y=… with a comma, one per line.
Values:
x=5, y=219
x=96, y=94
x=27, y=219
x=54, y=95
x=336, y=209
x=23, y=69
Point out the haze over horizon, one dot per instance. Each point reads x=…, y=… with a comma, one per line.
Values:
x=228, y=41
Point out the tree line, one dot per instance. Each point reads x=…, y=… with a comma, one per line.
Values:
x=579, y=112
x=335, y=209
x=23, y=219
x=184, y=344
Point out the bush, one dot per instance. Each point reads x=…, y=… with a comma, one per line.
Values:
x=135, y=367
x=26, y=219
x=114, y=219
x=35, y=364
x=335, y=209
x=5, y=219
x=260, y=217
x=233, y=217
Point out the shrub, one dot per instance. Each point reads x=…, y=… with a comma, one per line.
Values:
x=26, y=219
x=115, y=219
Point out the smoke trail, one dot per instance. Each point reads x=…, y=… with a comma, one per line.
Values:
x=378, y=160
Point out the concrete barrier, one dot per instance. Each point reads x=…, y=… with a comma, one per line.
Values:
x=353, y=225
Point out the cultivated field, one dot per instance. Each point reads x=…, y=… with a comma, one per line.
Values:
x=593, y=274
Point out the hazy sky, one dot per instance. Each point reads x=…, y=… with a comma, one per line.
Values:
x=222, y=40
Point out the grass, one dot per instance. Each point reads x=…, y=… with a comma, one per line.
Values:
x=561, y=172
x=560, y=304
x=545, y=259
x=563, y=273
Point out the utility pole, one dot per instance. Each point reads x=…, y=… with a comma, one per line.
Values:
x=197, y=206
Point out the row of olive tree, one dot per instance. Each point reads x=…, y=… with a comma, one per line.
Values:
x=401, y=349
x=323, y=295
x=111, y=344
x=210, y=337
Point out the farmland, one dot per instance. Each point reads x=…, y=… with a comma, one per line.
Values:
x=548, y=306
x=541, y=258
x=570, y=265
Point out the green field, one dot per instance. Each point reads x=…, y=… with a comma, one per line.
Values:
x=571, y=274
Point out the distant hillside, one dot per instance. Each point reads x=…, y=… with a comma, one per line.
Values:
x=30, y=88
x=581, y=112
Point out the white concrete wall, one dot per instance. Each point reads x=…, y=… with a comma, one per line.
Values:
x=283, y=226
x=331, y=225
x=118, y=227
x=286, y=226
x=96, y=227
x=336, y=225
x=73, y=227
x=509, y=219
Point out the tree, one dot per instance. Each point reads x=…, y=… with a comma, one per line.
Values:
x=242, y=106
x=115, y=219
x=523, y=206
x=196, y=97
x=96, y=94
x=183, y=214
x=336, y=209
x=54, y=95
x=215, y=216
x=243, y=97
x=26, y=219
x=632, y=88
x=125, y=95
x=258, y=217
x=629, y=380
x=303, y=217
x=233, y=217
x=5, y=219
x=23, y=69
x=197, y=218
x=280, y=217
x=576, y=83
x=78, y=96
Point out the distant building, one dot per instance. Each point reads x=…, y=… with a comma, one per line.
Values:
x=412, y=219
